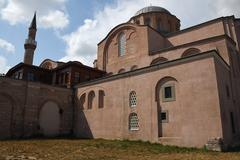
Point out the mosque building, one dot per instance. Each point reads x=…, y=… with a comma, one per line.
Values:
x=151, y=81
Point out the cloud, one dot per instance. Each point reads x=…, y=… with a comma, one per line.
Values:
x=228, y=7
x=55, y=19
x=2, y=2
x=82, y=43
x=7, y=46
x=51, y=13
x=3, y=65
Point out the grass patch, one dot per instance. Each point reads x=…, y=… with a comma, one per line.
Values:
x=99, y=149
x=146, y=146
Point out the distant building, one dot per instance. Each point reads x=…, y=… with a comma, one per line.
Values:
x=151, y=81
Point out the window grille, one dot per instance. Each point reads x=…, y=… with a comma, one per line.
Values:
x=133, y=99
x=133, y=122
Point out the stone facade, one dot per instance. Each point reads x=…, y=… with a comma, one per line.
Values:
x=22, y=103
x=163, y=85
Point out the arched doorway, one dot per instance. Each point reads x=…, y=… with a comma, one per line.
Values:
x=49, y=119
x=5, y=116
x=165, y=95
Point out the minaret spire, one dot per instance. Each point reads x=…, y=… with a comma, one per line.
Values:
x=34, y=22
x=30, y=43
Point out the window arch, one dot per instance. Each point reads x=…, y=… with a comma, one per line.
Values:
x=134, y=67
x=167, y=85
x=122, y=44
x=133, y=122
x=164, y=85
x=121, y=70
x=82, y=101
x=190, y=52
x=158, y=60
x=101, y=95
x=91, y=96
x=133, y=99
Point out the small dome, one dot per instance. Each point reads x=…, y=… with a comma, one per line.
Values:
x=152, y=9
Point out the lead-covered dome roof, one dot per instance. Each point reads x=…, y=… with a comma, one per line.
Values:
x=152, y=9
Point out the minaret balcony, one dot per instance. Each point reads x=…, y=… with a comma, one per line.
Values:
x=30, y=41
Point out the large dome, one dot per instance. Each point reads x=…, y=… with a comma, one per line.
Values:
x=152, y=9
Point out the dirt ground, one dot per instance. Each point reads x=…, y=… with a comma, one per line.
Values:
x=72, y=149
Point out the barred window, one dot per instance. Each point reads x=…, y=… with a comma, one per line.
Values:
x=122, y=44
x=133, y=122
x=133, y=99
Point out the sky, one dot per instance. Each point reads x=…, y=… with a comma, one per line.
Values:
x=69, y=30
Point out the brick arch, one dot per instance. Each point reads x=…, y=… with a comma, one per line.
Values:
x=158, y=86
x=160, y=83
x=109, y=38
x=122, y=70
x=91, y=97
x=190, y=52
x=49, y=118
x=52, y=100
x=158, y=60
x=134, y=67
x=82, y=100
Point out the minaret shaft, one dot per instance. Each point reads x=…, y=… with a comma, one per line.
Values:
x=30, y=43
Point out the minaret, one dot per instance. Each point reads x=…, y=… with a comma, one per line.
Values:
x=30, y=43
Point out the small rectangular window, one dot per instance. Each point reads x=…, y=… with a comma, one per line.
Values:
x=164, y=116
x=168, y=93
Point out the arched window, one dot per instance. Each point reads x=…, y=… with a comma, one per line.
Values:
x=121, y=44
x=133, y=122
x=91, y=96
x=82, y=101
x=158, y=60
x=121, y=70
x=134, y=67
x=190, y=52
x=147, y=21
x=133, y=99
x=101, y=95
